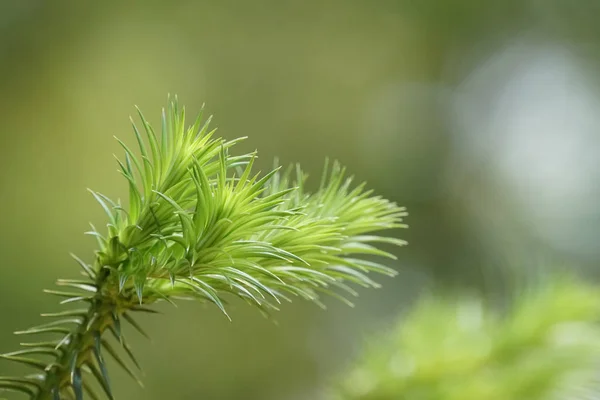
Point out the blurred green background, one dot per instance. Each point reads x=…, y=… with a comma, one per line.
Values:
x=480, y=116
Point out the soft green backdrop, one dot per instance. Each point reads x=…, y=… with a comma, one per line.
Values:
x=477, y=115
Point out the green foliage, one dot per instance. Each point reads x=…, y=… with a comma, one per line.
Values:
x=200, y=224
x=545, y=346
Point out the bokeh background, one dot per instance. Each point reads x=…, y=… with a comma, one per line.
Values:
x=482, y=117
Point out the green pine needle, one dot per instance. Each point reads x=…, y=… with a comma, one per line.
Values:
x=201, y=224
x=546, y=346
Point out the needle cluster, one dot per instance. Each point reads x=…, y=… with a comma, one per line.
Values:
x=201, y=224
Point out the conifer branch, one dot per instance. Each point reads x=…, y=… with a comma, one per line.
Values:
x=200, y=224
x=546, y=346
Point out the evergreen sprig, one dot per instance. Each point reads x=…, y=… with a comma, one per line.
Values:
x=201, y=224
x=545, y=346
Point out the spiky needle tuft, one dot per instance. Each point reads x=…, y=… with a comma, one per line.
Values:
x=544, y=345
x=201, y=224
